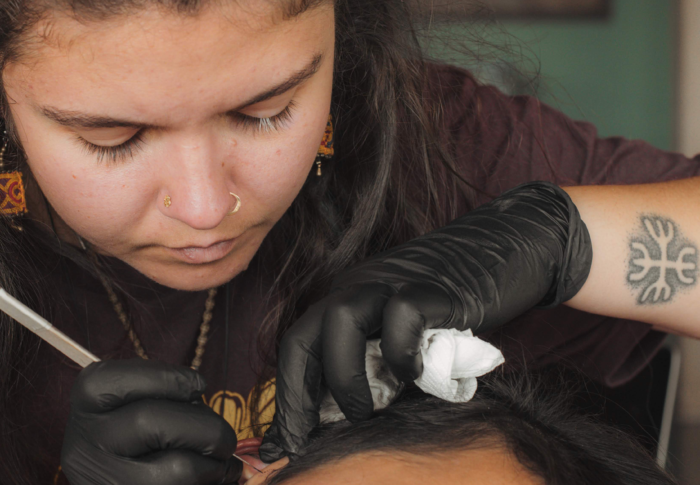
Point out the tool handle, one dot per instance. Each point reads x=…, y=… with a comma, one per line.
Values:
x=44, y=330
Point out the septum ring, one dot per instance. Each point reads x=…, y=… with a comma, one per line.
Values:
x=238, y=205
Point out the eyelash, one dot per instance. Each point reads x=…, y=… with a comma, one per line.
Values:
x=116, y=153
x=128, y=148
x=268, y=125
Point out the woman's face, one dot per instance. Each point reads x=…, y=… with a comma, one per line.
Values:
x=116, y=116
x=478, y=466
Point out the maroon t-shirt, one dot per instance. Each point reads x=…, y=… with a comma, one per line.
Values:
x=498, y=142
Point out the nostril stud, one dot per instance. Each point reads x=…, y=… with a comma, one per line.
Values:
x=167, y=201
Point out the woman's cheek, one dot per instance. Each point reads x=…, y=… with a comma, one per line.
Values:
x=275, y=176
x=279, y=180
x=100, y=204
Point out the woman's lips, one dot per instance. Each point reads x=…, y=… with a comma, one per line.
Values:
x=199, y=255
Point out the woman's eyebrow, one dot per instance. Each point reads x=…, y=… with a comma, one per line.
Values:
x=295, y=80
x=75, y=119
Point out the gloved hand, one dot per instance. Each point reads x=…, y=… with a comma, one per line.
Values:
x=525, y=248
x=143, y=422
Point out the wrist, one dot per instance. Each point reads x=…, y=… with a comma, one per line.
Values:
x=531, y=243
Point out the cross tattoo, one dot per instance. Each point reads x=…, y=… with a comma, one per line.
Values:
x=661, y=289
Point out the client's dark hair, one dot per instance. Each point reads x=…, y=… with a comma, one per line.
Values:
x=531, y=417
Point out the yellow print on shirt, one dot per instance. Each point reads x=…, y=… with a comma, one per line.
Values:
x=238, y=411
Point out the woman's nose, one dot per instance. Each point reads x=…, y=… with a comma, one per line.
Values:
x=195, y=186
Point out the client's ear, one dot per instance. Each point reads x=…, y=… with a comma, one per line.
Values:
x=252, y=477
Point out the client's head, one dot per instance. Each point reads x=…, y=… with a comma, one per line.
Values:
x=512, y=432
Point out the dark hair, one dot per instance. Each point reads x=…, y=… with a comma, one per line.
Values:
x=386, y=126
x=533, y=418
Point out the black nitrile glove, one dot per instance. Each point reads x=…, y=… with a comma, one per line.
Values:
x=140, y=421
x=526, y=248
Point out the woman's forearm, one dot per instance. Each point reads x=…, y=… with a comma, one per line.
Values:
x=646, y=240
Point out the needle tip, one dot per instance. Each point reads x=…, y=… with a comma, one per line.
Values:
x=244, y=461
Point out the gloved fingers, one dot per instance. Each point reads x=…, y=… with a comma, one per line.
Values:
x=180, y=467
x=175, y=467
x=152, y=425
x=298, y=387
x=109, y=384
x=407, y=315
x=350, y=316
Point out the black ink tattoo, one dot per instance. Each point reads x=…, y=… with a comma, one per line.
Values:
x=662, y=262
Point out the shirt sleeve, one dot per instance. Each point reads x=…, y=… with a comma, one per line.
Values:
x=501, y=141
x=498, y=142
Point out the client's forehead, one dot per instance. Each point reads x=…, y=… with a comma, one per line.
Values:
x=493, y=466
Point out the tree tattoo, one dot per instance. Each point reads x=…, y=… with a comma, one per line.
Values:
x=662, y=262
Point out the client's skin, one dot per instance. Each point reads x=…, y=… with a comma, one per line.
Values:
x=516, y=430
x=492, y=464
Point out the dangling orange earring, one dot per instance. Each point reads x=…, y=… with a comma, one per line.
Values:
x=325, y=151
x=12, y=199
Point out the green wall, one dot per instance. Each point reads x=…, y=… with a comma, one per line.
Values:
x=617, y=72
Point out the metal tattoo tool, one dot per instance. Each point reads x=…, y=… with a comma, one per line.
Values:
x=54, y=337
x=44, y=330
x=244, y=461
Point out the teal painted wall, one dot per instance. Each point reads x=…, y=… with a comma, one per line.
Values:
x=617, y=72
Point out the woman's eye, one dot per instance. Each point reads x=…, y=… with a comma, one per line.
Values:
x=121, y=152
x=265, y=125
x=116, y=153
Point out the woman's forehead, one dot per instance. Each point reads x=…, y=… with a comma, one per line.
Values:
x=158, y=59
x=471, y=466
x=77, y=22
x=101, y=10
x=58, y=29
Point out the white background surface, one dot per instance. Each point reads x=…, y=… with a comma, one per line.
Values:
x=689, y=144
